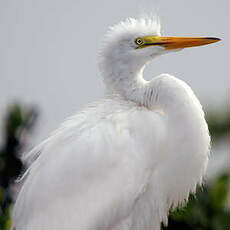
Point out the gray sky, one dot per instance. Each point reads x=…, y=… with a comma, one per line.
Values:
x=49, y=51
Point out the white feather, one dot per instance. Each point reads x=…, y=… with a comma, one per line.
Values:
x=124, y=161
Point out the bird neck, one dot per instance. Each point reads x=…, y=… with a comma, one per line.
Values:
x=163, y=91
x=126, y=81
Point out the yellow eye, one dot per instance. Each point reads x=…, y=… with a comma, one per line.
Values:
x=139, y=41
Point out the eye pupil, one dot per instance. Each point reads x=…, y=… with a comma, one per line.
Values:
x=139, y=41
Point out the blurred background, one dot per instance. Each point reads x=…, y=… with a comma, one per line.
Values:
x=48, y=71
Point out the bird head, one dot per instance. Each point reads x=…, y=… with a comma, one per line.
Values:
x=139, y=40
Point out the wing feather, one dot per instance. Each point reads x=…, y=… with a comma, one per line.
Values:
x=92, y=171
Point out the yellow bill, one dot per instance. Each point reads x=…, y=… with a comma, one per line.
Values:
x=174, y=42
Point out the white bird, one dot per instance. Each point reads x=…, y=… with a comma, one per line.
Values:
x=125, y=160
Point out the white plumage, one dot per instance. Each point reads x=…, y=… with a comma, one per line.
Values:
x=121, y=163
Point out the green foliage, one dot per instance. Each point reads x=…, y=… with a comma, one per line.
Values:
x=219, y=123
x=18, y=122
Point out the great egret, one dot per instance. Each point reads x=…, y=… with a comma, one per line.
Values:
x=125, y=160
